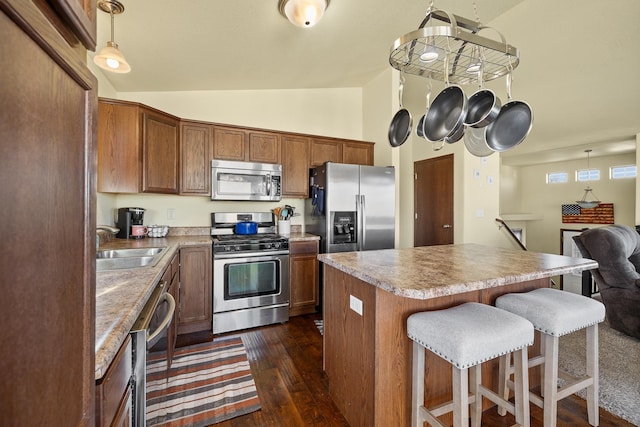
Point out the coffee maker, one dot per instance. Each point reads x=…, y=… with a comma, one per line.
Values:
x=126, y=218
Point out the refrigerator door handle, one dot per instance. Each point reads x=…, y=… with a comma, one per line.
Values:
x=363, y=222
x=359, y=225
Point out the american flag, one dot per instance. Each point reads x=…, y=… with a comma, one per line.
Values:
x=601, y=214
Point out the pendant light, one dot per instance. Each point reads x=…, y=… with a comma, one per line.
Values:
x=110, y=58
x=303, y=13
x=588, y=202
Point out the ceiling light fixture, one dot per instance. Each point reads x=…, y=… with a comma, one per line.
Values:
x=303, y=13
x=475, y=62
x=430, y=53
x=586, y=202
x=110, y=58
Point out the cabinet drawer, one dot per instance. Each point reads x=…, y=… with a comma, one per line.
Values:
x=305, y=247
x=113, y=387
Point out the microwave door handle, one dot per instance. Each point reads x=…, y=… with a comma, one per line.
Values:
x=165, y=322
x=269, y=184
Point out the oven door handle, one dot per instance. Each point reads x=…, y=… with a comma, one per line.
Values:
x=165, y=322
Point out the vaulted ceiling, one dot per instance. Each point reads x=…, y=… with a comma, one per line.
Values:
x=579, y=59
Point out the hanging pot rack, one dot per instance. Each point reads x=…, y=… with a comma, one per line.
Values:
x=461, y=40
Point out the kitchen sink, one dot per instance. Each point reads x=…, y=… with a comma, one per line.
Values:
x=126, y=253
x=120, y=259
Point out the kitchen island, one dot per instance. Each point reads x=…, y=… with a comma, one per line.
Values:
x=369, y=295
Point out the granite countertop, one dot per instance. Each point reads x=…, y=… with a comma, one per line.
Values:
x=122, y=294
x=301, y=237
x=436, y=271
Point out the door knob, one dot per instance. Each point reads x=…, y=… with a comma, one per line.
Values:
x=446, y=226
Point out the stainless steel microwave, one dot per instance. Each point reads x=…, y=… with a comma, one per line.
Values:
x=245, y=181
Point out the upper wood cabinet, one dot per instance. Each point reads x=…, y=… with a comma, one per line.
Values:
x=196, y=143
x=325, y=150
x=138, y=149
x=161, y=153
x=295, y=166
x=340, y=151
x=246, y=145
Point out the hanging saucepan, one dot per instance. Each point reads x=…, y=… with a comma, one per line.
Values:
x=447, y=112
x=512, y=125
x=401, y=124
x=476, y=143
x=484, y=105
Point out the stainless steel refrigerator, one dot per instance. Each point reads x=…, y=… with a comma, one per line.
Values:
x=352, y=207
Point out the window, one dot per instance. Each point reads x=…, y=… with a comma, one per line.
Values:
x=588, y=175
x=622, y=172
x=557, y=177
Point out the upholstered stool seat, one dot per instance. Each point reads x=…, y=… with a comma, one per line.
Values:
x=556, y=313
x=466, y=336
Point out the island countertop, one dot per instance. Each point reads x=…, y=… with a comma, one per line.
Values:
x=436, y=271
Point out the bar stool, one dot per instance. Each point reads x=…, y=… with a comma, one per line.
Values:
x=466, y=336
x=556, y=313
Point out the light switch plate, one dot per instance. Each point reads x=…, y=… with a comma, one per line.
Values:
x=355, y=304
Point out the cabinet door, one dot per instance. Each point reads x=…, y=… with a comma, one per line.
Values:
x=195, y=289
x=303, y=273
x=48, y=105
x=229, y=144
x=264, y=147
x=295, y=166
x=195, y=168
x=357, y=153
x=160, y=153
x=325, y=150
x=119, y=148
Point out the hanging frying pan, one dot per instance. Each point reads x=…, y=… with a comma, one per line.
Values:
x=512, y=125
x=401, y=124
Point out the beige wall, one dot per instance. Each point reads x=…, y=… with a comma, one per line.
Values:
x=543, y=201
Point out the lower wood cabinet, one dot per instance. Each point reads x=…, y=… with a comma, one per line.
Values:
x=174, y=291
x=113, y=391
x=196, y=304
x=303, y=276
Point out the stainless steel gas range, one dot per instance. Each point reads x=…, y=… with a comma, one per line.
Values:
x=250, y=272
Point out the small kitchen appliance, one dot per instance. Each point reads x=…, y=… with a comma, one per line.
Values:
x=250, y=272
x=127, y=218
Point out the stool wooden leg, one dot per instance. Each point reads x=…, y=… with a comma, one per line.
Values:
x=503, y=377
x=592, y=371
x=417, y=387
x=460, y=397
x=550, y=389
x=474, y=390
x=521, y=380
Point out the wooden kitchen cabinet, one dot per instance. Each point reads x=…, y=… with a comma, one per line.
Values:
x=113, y=391
x=173, y=277
x=49, y=105
x=303, y=277
x=138, y=149
x=295, y=166
x=357, y=153
x=340, y=151
x=196, y=304
x=246, y=145
x=196, y=145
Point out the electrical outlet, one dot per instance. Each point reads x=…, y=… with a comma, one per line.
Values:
x=355, y=304
x=171, y=214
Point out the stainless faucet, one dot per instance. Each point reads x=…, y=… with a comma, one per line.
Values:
x=112, y=230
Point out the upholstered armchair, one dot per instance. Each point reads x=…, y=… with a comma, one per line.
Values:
x=616, y=248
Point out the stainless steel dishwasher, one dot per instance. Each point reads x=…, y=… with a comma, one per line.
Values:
x=148, y=329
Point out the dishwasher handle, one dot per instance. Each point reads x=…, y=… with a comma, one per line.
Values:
x=165, y=322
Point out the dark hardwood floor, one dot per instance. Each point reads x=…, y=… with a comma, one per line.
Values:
x=286, y=362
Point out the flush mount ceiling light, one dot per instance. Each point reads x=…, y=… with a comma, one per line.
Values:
x=588, y=202
x=110, y=58
x=475, y=62
x=303, y=13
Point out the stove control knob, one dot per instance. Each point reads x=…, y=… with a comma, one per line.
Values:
x=276, y=245
x=237, y=248
x=267, y=245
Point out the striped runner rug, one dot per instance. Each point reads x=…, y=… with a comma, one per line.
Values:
x=207, y=384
